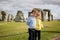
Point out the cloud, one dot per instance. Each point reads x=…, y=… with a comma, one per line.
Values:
x=11, y=6
x=56, y=2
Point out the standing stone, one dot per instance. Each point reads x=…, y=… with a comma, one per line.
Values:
x=19, y=17
x=44, y=15
x=10, y=17
x=0, y=16
x=51, y=17
x=48, y=15
x=47, y=10
x=3, y=13
x=29, y=14
x=5, y=18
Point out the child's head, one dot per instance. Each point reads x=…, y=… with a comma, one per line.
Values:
x=35, y=11
x=38, y=16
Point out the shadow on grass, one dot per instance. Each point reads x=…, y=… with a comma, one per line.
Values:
x=14, y=34
x=52, y=31
x=27, y=32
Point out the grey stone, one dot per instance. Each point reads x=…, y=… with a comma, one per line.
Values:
x=10, y=17
x=19, y=17
x=0, y=17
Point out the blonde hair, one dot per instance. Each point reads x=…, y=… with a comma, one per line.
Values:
x=39, y=10
x=39, y=16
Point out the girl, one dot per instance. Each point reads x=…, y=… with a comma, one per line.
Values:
x=39, y=26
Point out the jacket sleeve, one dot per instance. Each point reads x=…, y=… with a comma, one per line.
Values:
x=41, y=24
x=28, y=21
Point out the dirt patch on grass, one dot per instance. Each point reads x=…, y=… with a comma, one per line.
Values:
x=56, y=38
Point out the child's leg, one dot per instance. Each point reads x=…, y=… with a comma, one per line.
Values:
x=29, y=31
x=39, y=35
x=31, y=34
x=35, y=34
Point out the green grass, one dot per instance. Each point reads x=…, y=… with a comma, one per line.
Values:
x=18, y=30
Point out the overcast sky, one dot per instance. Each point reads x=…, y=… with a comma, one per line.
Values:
x=11, y=6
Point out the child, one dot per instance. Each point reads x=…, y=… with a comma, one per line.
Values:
x=31, y=22
x=39, y=26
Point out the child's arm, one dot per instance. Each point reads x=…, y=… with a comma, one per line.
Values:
x=28, y=21
x=40, y=25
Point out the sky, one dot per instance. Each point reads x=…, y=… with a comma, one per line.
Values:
x=12, y=6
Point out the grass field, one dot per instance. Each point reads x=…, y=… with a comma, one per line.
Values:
x=19, y=30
